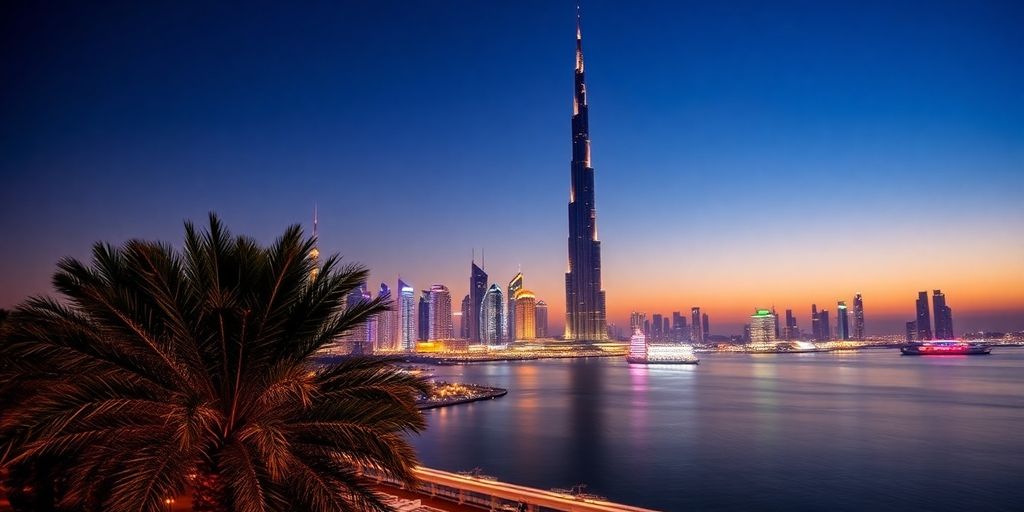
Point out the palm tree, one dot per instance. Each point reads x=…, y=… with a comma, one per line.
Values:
x=164, y=371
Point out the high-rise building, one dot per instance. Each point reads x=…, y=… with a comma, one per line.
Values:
x=815, y=323
x=924, y=321
x=778, y=333
x=584, y=298
x=526, y=313
x=842, y=322
x=696, y=334
x=514, y=286
x=358, y=338
x=943, y=316
x=423, y=316
x=440, y=313
x=823, y=326
x=542, y=319
x=705, y=328
x=477, y=289
x=656, y=331
x=637, y=320
x=792, y=332
x=858, y=317
x=492, y=310
x=406, y=317
x=911, y=331
x=467, y=312
x=386, y=325
x=679, y=333
x=762, y=328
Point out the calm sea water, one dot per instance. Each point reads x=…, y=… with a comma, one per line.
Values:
x=867, y=430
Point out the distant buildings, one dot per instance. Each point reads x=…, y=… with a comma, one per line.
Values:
x=542, y=319
x=943, y=318
x=656, y=327
x=637, y=320
x=762, y=328
x=842, y=321
x=526, y=315
x=406, y=317
x=820, y=328
x=858, y=317
x=911, y=331
x=924, y=321
x=467, y=313
x=791, y=331
x=440, y=314
x=705, y=328
x=680, y=332
x=492, y=319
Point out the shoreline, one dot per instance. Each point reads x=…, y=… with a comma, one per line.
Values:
x=490, y=393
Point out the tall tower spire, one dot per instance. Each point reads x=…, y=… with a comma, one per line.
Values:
x=584, y=299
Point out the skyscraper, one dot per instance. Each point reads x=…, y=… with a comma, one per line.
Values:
x=477, y=288
x=440, y=313
x=705, y=328
x=359, y=336
x=762, y=328
x=943, y=316
x=815, y=323
x=678, y=326
x=584, y=298
x=386, y=324
x=842, y=322
x=637, y=320
x=656, y=330
x=526, y=313
x=924, y=321
x=825, y=330
x=792, y=332
x=406, y=317
x=858, y=317
x=776, y=315
x=423, y=316
x=514, y=286
x=464, y=319
x=492, y=310
x=696, y=333
x=911, y=331
x=542, y=319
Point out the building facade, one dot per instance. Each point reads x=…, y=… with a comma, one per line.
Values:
x=406, y=317
x=440, y=313
x=842, y=321
x=762, y=328
x=492, y=316
x=541, y=316
x=526, y=315
x=858, y=317
x=923, y=320
x=477, y=289
x=514, y=286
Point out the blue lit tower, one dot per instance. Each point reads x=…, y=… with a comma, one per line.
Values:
x=842, y=321
x=406, y=317
x=492, y=316
x=584, y=298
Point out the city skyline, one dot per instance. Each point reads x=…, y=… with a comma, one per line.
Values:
x=139, y=165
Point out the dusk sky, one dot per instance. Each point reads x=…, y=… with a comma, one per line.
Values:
x=746, y=153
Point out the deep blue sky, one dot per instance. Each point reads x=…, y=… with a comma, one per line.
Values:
x=747, y=153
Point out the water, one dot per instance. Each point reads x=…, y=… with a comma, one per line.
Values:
x=867, y=430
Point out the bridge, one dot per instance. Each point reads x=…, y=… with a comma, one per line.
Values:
x=485, y=493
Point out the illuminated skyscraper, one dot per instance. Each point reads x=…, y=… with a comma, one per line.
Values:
x=542, y=319
x=584, y=298
x=477, y=289
x=514, y=286
x=924, y=321
x=696, y=333
x=943, y=316
x=824, y=326
x=440, y=313
x=406, y=317
x=762, y=328
x=526, y=313
x=492, y=310
x=842, y=321
x=386, y=325
x=858, y=317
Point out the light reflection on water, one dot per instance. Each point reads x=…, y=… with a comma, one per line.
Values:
x=825, y=431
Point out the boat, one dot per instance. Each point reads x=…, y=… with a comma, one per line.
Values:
x=944, y=348
x=642, y=352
